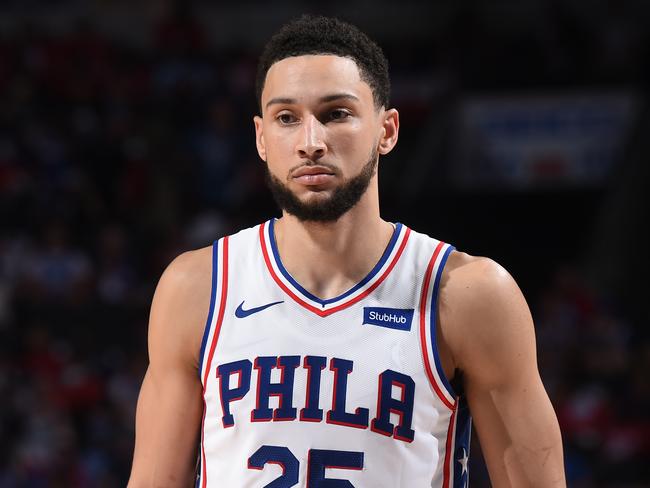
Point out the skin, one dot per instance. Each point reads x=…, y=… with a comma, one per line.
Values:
x=319, y=116
x=340, y=134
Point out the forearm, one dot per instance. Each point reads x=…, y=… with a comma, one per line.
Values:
x=521, y=440
x=535, y=456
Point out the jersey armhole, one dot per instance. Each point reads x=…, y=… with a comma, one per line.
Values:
x=218, y=295
x=428, y=324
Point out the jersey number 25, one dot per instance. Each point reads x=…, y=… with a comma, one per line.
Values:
x=318, y=461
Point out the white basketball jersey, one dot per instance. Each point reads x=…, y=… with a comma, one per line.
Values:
x=337, y=393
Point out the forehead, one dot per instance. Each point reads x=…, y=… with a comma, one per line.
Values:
x=312, y=76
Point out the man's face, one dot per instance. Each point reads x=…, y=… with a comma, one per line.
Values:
x=321, y=135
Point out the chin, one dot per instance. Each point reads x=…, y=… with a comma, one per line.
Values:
x=313, y=195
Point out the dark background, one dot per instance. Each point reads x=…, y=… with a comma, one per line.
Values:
x=126, y=138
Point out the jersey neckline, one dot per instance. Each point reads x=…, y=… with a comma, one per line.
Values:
x=324, y=307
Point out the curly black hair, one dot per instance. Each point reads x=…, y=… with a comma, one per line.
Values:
x=326, y=35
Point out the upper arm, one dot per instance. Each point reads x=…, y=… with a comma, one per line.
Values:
x=170, y=404
x=490, y=333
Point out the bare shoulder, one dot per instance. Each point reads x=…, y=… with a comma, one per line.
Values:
x=181, y=304
x=477, y=284
x=482, y=311
x=188, y=268
x=476, y=279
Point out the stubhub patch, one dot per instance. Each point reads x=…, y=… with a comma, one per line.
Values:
x=393, y=318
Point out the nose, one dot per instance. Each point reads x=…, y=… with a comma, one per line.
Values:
x=311, y=144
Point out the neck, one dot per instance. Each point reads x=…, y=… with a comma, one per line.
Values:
x=329, y=258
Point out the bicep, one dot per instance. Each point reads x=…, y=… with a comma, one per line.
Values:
x=168, y=421
x=513, y=416
x=170, y=405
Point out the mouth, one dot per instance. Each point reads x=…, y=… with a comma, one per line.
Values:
x=313, y=175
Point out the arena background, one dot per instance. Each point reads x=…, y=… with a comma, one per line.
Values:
x=126, y=138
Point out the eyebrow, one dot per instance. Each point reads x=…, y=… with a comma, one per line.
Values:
x=324, y=99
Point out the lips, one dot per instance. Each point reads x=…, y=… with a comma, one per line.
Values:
x=312, y=170
x=313, y=175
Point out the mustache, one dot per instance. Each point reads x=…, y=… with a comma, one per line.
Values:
x=333, y=168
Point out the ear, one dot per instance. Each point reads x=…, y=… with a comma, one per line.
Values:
x=390, y=131
x=259, y=137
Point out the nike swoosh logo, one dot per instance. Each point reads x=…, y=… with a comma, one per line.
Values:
x=240, y=313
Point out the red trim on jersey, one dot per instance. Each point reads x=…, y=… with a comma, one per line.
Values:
x=316, y=310
x=449, y=458
x=203, y=475
x=423, y=324
x=222, y=304
x=213, y=345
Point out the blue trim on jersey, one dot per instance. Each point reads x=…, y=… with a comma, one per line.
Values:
x=369, y=276
x=432, y=322
x=462, y=443
x=213, y=299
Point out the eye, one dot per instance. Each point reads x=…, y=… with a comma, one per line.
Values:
x=339, y=114
x=286, y=118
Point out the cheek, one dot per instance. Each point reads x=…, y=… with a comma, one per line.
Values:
x=351, y=142
x=278, y=144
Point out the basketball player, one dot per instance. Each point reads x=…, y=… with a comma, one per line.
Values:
x=340, y=350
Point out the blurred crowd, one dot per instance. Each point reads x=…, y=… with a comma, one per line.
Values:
x=113, y=160
x=594, y=363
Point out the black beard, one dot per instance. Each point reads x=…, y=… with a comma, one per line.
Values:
x=343, y=197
